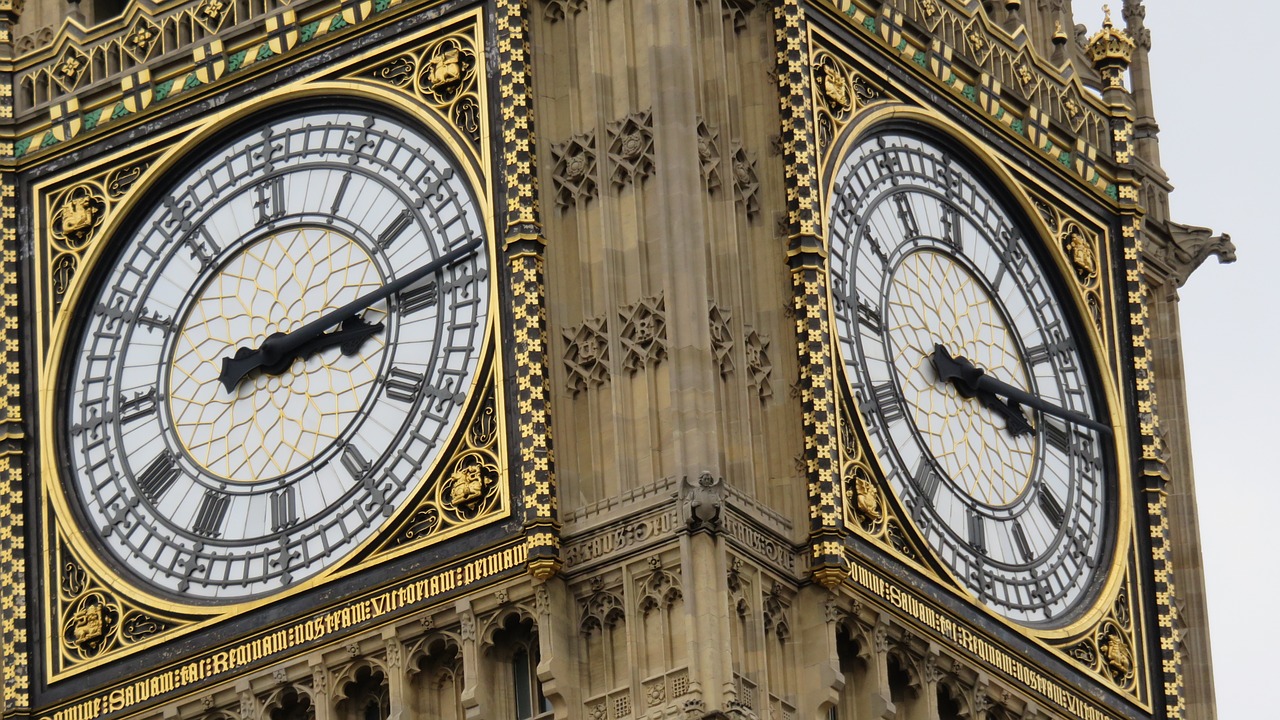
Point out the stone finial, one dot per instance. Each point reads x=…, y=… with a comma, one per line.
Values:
x=1060, y=39
x=1110, y=47
x=1135, y=15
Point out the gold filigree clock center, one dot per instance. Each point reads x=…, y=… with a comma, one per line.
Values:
x=275, y=423
x=934, y=299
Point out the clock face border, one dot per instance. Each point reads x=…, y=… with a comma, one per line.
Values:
x=181, y=147
x=1003, y=179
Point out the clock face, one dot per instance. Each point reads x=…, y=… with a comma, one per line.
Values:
x=216, y=487
x=924, y=258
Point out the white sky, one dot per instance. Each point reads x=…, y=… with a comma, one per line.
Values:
x=1216, y=100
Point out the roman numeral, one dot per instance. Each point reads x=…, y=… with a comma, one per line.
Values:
x=284, y=509
x=885, y=399
x=270, y=203
x=1012, y=257
x=116, y=313
x=342, y=191
x=870, y=317
x=927, y=480
x=1059, y=346
x=1056, y=436
x=1020, y=539
x=404, y=385
x=155, y=321
x=906, y=215
x=397, y=226
x=156, y=479
x=415, y=299
x=202, y=247
x=977, y=532
x=876, y=248
x=1038, y=354
x=1051, y=507
x=211, y=514
x=140, y=405
x=951, y=227
x=354, y=461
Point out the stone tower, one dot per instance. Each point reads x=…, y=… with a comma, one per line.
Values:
x=603, y=359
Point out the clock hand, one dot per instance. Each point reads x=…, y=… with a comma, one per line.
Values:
x=349, y=336
x=277, y=352
x=971, y=380
x=1014, y=421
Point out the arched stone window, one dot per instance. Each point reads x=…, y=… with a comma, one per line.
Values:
x=365, y=697
x=436, y=689
x=950, y=702
x=516, y=691
x=904, y=687
x=293, y=706
x=855, y=698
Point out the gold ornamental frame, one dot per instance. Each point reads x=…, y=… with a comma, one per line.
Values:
x=61, y=212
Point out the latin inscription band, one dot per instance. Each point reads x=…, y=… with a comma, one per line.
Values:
x=997, y=658
x=287, y=639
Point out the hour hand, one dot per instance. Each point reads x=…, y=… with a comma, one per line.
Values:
x=970, y=380
x=276, y=353
x=1014, y=420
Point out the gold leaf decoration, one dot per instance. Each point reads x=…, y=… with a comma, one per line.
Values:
x=467, y=487
x=442, y=75
x=94, y=620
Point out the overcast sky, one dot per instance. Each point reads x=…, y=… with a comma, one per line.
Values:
x=1216, y=99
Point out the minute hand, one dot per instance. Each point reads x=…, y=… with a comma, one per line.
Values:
x=275, y=348
x=960, y=371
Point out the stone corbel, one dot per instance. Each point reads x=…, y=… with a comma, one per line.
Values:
x=320, y=699
x=249, y=706
x=881, y=696
x=397, y=677
x=470, y=660
x=932, y=672
x=822, y=679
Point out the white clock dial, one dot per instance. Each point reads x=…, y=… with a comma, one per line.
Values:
x=924, y=256
x=217, y=489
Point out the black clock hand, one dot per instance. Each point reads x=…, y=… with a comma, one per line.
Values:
x=970, y=380
x=277, y=352
x=1014, y=421
x=349, y=336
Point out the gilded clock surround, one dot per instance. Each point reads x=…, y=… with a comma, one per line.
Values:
x=99, y=622
x=1086, y=629
x=1004, y=86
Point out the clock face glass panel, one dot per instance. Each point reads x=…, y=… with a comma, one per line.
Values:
x=924, y=256
x=220, y=490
